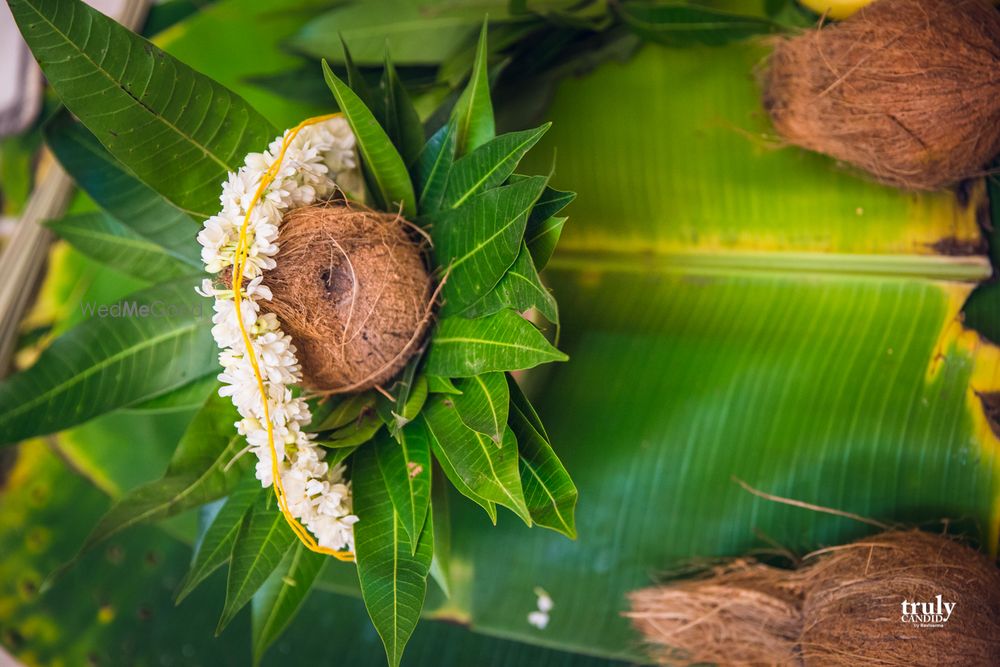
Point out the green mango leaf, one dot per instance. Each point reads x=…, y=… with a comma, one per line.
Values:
x=356, y=80
x=519, y=401
x=261, y=543
x=357, y=432
x=107, y=362
x=542, y=239
x=520, y=289
x=338, y=456
x=116, y=190
x=279, y=599
x=189, y=397
x=504, y=341
x=473, y=462
x=473, y=112
x=682, y=24
x=478, y=242
x=392, y=186
x=548, y=490
x=402, y=123
x=201, y=470
x=177, y=130
x=216, y=546
x=441, y=385
x=405, y=462
x=433, y=167
x=102, y=238
x=411, y=395
x=441, y=518
x=489, y=165
x=483, y=404
x=392, y=572
x=549, y=204
x=459, y=483
x=415, y=35
x=350, y=409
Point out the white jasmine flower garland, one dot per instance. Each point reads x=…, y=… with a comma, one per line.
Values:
x=303, y=167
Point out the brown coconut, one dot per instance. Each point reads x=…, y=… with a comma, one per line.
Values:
x=907, y=90
x=352, y=290
x=741, y=612
x=853, y=603
x=843, y=606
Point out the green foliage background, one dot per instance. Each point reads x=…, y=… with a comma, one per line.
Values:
x=732, y=311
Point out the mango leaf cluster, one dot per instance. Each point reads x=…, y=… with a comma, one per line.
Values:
x=457, y=409
x=153, y=142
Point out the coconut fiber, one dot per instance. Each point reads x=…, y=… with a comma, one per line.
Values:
x=843, y=606
x=352, y=290
x=908, y=90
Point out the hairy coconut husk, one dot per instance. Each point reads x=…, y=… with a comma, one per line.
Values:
x=740, y=612
x=852, y=607
x=843, y=606
x=908, y=90
x=352, y=290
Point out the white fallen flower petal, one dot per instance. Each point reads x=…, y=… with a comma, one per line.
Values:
x=539, y=619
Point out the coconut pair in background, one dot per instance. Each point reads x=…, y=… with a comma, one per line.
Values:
x=907, y=90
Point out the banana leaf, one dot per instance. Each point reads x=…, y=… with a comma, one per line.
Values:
x=734, y=312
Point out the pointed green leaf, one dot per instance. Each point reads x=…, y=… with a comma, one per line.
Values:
x=411, y=392
x=199, y=472
x=489, y=165
x=543, y=229
x=350, y=409
x=189, y=397
x=402, y=123
x=260, y=545
x=278, y=600
x=549, y=204
x=441, y=516
x=106, y=362
x=395, y=417
x=176, y=129
x=548, y=490
x=542, y=239
x=101, y=237
x=441, y=385
x=483, y=404
x=441, y=457
x=390, y=179
x=338, y=456
x=216, y=545
x=356, y=80
x=473, y=111
x=498, y=342
x=520, y=401
x=116, y=190
x=490, y=472
x=478, y=242
x=357, y=432
x=405, y=462
x=520, y=289
x=393, y=574
x=434, y=165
